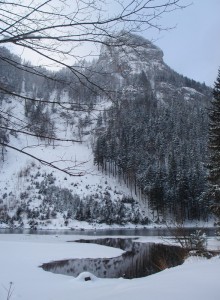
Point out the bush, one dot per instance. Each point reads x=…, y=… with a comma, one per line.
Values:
x=198, y=240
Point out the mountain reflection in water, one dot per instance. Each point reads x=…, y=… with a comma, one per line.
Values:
x=138, y=260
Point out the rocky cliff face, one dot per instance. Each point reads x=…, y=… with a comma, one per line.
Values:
x=126, y=60
x=143, y=58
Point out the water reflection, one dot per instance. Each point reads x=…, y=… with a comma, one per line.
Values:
x=138, y=260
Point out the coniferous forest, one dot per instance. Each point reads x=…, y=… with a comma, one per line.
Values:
x=159, y=152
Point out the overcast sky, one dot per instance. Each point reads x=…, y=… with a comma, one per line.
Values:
x=193, y=47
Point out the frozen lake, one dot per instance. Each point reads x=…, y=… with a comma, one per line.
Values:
x=210, y=231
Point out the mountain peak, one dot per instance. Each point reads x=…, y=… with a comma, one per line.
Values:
x=129, y=53
x=128, y=43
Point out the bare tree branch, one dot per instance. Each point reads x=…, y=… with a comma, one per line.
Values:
x=40, y=135
x=69, y=170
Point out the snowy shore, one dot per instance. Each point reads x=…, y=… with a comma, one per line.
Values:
x=21, y=256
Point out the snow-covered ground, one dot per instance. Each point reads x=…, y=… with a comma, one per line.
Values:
x=21, y=256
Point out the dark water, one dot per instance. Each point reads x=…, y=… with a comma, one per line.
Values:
x=138, y=260
x=111, y=232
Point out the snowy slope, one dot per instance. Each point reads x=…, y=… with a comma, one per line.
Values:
x=21, y=174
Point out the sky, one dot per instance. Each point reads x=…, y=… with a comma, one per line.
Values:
x=193, y=47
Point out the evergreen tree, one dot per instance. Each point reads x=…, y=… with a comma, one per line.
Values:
x=214, y=148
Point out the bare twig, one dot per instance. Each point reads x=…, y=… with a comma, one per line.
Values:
x=9, y=290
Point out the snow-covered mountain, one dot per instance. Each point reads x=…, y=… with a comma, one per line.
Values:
x=120, y=188
x=157, y=130
x=124, y=63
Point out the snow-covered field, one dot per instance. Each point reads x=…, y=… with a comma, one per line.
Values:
x=21, y=256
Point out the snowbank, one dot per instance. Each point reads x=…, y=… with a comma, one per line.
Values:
x=21, y=255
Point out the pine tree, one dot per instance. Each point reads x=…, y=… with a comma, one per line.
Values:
x=214, y=148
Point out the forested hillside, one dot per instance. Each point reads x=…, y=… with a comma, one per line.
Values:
x=146, y=125
x=155, y=137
